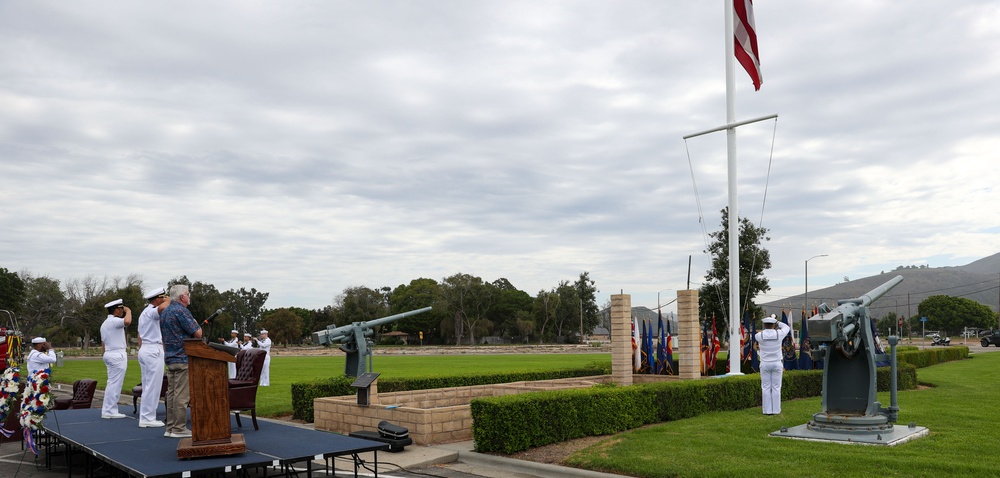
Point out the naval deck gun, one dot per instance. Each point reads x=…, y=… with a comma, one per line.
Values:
x=842, y=338
x=355, y=340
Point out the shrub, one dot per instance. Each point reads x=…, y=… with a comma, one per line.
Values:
x=512, y=423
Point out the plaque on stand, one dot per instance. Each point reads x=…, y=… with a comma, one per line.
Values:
x=208, y=379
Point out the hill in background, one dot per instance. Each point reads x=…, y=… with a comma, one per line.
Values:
x=978, y=281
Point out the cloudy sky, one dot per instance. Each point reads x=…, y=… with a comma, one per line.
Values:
x=301, y=147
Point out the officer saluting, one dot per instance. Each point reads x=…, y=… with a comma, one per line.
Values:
x=113, y=343
x=771, y=367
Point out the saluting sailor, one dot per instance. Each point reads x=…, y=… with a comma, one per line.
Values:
x=771, y=366
x=265, y=372
x=234, y=341
x=113, y=343
x=151, y=356
x=248, y=341
x=41, y=356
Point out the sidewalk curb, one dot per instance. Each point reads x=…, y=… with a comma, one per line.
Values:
x=468, y=456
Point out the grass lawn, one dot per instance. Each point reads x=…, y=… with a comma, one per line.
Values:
x=959, y=409
x=277, y=399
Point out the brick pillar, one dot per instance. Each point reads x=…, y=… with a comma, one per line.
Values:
x=688, y=341
x=621, y=339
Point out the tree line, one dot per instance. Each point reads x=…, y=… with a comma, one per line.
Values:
x=466, y=308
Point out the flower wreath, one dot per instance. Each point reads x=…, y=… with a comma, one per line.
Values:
x=8, y=392
x=37, y=397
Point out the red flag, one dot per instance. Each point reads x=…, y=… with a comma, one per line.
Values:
x=745, y=40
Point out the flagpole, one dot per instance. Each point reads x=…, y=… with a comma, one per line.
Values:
x=734, y=241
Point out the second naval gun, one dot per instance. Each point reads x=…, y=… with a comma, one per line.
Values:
x=355, y=340
x=842, y=338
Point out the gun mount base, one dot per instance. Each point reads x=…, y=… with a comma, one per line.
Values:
x=853, y=424
x=892, y=436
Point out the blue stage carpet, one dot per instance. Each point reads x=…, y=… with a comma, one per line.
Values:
x=146, y=452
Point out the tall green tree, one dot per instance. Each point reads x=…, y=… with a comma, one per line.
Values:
x=468, y=300
x=953, y=314
x=11, y=291
x=44, y=306
x=510, y=301
x=713, y=297
x=419, y=293
x=283, y=325
x=360, y=304
x=246, y=307
x=544, y=311
x=586, y=290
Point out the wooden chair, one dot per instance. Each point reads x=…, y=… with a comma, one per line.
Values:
x=243, y=387
x=137, y=394
x=83, y=395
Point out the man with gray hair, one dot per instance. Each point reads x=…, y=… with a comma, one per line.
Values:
x=177, y=324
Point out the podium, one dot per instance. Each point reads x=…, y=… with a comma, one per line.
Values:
x=208, y=379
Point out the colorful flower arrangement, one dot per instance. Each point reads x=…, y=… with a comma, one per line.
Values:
x=37, y=397
x=9, y=387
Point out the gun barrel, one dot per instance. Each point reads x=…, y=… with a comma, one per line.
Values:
x=879, y=291
x=386, y=320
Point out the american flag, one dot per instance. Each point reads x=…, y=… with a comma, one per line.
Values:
x=745, y=39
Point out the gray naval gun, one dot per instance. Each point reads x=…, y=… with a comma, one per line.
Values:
x=355, y=340
x=842, y=338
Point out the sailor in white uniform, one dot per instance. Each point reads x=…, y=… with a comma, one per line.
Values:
x=113, y=343
x=151, y=356
x=265, y=372
x=771, y=366
x=232, y=342
x=41, y=357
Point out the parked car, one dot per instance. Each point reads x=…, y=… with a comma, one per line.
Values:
x=991, y=337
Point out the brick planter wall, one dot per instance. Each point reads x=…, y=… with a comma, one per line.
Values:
x=441, y=415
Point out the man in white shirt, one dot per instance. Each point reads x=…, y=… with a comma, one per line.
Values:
x=265, y=372
x=41, y=356
x=151, y=356
x=113, y=343
x=771, y=366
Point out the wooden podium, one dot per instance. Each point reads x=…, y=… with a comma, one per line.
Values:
x=208, y=379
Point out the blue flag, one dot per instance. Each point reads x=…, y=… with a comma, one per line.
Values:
x=788, y=346
x=649, y=348
x=754, y=356
x=805, y=346
x=661, y=346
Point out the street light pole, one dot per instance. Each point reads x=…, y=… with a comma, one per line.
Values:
x=805, y=300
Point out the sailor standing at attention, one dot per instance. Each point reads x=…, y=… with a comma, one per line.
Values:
x=265, y=372
x=151, y=356
x=771, y=366
x=113, y=343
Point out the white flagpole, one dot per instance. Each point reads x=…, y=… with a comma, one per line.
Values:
x=734, y=223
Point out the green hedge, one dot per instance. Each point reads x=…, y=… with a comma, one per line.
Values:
x=512, y=423
x=927, y=357
x=303, y=394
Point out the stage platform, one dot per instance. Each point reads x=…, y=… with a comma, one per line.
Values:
x=145, y=452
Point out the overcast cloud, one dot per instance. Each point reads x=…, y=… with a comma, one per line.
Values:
x=303, y=147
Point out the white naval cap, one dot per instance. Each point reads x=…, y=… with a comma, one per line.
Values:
x=38, y=340
x=263, y=331
x=246, y=334
x=113, y=303
x=233, y=331
x=770, y=320
x=154, y=293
